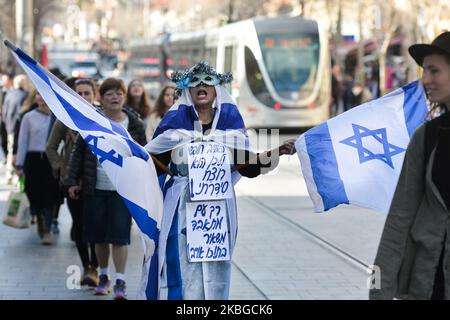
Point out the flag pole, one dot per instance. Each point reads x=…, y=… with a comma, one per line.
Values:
x=10, y=45
x=162, y=166
x=19, y=52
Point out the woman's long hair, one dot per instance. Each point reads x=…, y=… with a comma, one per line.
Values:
x=29, y=101
x=160, y=107
x=143, y=106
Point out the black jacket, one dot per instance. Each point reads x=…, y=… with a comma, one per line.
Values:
x=83, y=163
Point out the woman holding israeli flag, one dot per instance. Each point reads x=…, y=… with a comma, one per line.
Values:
x=203, y=139
x=412, y=258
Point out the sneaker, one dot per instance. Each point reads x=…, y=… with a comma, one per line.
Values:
x=103, y=287
x=120, y=290
x=90, y=277
x=46, y=238
x=55, y=228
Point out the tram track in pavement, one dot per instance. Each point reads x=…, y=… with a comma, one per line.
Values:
x=349, y=257
x=328, y=245
x=249, y=280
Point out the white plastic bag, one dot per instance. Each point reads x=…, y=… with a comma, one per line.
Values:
x=17, y=213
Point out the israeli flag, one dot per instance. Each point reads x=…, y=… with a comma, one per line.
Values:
x=356, y=157
x=127, y=164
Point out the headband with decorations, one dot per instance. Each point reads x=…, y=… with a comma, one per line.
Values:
x=202, y=72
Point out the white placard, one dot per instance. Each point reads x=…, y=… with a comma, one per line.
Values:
x=209, y=171
x=207, y=231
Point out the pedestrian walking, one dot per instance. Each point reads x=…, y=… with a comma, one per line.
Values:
x=337, y=90
x=7, y=84
x=41, y=187
x=10, y=112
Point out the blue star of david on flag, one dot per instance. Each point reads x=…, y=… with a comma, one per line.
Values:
x=365, y=154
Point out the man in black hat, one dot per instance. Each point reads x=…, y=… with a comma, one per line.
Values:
x=440, y=45
x=414, y=248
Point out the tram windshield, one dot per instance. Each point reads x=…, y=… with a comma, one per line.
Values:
x=292, y=61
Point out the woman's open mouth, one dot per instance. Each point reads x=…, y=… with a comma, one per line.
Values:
x=202, y=93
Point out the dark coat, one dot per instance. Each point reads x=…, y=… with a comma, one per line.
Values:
x=83, y=163
x=415, y=231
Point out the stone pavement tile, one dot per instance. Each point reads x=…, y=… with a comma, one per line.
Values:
x=291, y=297
x=241, y=288
x=7, y=290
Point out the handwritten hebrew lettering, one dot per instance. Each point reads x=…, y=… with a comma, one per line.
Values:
x=209, y=171
x=207, y=231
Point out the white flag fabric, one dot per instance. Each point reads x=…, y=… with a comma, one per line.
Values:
x=356, y=157
x=127, y=164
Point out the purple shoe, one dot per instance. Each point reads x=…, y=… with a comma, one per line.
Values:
x=120, y=290
x=103, y=287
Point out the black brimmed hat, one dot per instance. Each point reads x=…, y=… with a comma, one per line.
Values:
x=439, y=45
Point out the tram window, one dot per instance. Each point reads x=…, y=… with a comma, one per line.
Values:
x=291, y=61
x=196, y=55
x=212, y=56
x=201, y=55
x=228, y=59
x=255, y=79
x=233, y=54
x=207, y=54
x=228, y=63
